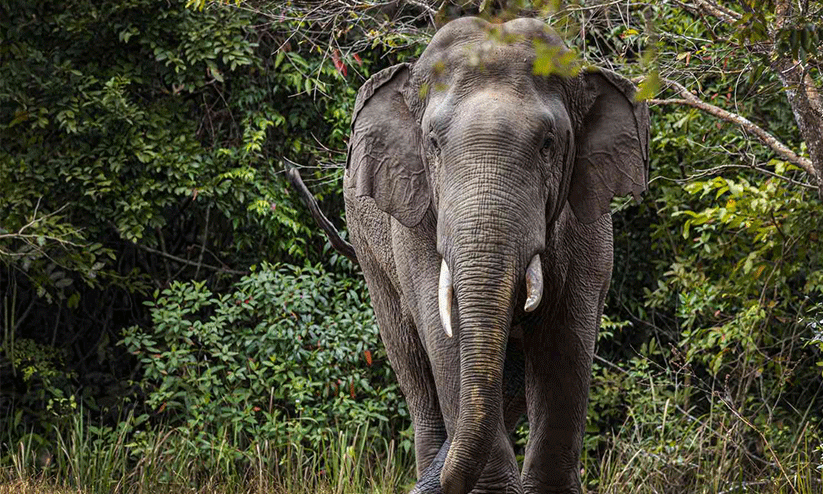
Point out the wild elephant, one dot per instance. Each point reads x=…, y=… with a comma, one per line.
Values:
x=477, y=200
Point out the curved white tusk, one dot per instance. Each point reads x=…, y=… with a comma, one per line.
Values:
x=444, y=298
x=534, y=284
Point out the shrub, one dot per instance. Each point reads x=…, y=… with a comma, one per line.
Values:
x=290, y=353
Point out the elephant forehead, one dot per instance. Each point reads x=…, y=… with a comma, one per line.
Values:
x=468, y=28
x=470, y=50
x=505, y=112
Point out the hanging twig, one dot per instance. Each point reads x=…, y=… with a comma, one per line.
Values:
x=203, y=247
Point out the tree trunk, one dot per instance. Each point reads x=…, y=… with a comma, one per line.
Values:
x=807, y=107
x=801, y=91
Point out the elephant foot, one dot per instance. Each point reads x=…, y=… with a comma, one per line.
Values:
x=427, y=489
x=509, y=484
x=574, y=488
x=429, y=481
x=571, y=490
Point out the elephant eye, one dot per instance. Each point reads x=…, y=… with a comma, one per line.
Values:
x=548, y=142
x=433, y=142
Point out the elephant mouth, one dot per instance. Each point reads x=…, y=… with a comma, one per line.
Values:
x=445, y=291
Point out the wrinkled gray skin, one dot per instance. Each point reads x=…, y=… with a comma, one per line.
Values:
x=467, y=156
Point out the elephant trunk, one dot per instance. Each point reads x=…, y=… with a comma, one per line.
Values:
x=491, y=223
x=485, y=296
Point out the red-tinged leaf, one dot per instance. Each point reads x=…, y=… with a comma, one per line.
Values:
x=358, y=59
x=351, y=389
x=367, y=354
x=162, y=407
x=338, y=64
x=256, y=409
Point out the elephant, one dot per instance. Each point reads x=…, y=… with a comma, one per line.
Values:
x=477, y=195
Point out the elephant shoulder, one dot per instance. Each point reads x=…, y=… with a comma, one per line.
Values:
x=584, y=247
x=369, y=227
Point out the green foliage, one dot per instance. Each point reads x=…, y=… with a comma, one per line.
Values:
x=288, y=352
x=747, y=269
x=756, y=273
x=144, y=143
x=661, y=445
x=118, y=141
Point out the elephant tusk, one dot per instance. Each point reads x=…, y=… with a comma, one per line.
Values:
x=444, y=298
x=534, y=284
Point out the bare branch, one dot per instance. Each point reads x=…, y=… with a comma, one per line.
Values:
x=719, y=169
x=190, y=263
x=310, y=202
x=31, y=237
x=425, y=7
x=689, y=99
x=718, y=11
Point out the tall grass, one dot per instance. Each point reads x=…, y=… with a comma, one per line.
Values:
x=659, y=450
x=94, y=460
x=670, y=451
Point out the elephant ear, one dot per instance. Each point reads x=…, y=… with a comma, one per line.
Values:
x=384, y=160
x=612, y=157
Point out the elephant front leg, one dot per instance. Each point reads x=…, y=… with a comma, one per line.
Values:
x=558, y=367
x=428, y=482
x=410, y=364
x=408, y=359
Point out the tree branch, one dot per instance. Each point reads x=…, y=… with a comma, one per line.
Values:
x=718, y=11
x=806, y=106
x=689, y=99
x=188, y=262
x=310, y=202
x=721, y=168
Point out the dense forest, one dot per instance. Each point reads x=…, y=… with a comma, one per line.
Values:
x=172, y=318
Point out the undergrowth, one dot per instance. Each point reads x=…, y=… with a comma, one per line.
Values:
x=92, y=460
x=659, y=449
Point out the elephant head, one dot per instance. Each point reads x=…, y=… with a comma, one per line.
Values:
x=495, y=152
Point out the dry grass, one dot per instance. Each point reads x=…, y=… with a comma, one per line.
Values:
x=35, y=487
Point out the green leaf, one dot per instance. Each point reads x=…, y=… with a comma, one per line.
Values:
x=648, y=88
